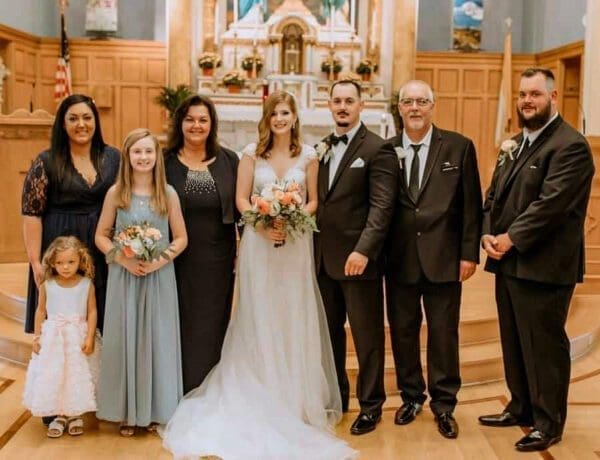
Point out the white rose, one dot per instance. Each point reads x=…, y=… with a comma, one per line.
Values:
x=275, y=209
x=137, y=246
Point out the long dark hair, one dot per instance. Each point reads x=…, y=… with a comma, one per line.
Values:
x=175, y=139
x=61, y=165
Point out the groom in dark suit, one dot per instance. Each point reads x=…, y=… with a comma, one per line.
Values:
x=433, y=246
x=533, y=230
x=357, y=182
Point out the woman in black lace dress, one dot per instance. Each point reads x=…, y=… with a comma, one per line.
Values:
x=204, y=175
x=64, y=190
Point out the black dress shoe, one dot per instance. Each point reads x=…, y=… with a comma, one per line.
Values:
x=536, y=440
x=365, y=423
x=407, y=413
x=447, y=425
x=503, y=419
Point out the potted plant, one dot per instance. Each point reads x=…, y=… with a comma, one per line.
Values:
x=208, y=62
x=365, y=68
x=234, y=81
x=250, y=61
x=170, y=98
x=326, y=66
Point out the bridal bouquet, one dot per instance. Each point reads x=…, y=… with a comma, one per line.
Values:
x=141, y=241
x=280, y=200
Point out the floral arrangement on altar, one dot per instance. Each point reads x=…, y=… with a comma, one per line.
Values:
x=366, y=66
x=249, y=61
x=326, y=65
x=209, y=60
x=234, y=78
x=280, y=201
x=141, y=241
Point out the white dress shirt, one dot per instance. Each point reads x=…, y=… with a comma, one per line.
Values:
x=337, y=152
x=423, y=152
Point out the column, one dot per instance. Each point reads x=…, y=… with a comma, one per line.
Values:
x=404, y=41
x=591, y=70
x=179, y=69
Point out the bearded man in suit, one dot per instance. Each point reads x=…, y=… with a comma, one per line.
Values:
x=432, y=247
x=357, y=186
x=533, y=230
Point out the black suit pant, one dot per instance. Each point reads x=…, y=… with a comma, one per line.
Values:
x=535, y=346
x=405, y=305
x=362, y=302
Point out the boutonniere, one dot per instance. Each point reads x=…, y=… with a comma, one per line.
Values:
x=323, y=150
x=402, y=153
x=506, y=150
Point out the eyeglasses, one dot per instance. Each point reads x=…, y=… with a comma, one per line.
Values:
x=408, y=102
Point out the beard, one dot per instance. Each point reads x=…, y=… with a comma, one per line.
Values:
x=342, y=124
x=537, y=121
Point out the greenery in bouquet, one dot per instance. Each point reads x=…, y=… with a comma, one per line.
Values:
x=249, y=60
x=326, y=65
x=209, y=60
x=366, y=66
x=234, y=78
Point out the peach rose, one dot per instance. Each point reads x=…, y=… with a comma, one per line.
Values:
x=287, y=199
x=263, y=207
x=128, y=252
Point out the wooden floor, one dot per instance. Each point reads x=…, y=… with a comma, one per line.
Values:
x=23, y=436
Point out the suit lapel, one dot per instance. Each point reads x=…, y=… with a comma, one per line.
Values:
x=323, y=182
x=348, y=155
x=432, y=155
x=541, y=139
x=397, y=142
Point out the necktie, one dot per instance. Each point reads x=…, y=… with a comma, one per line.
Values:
x=525, y=147
x=413, y=183
x=335, y=140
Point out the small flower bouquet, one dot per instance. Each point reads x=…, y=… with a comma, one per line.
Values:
x=209, y=60
x=323, y=150
x=249, y=60
x=284, y=201
x=141, y=241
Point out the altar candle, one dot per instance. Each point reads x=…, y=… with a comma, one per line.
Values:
x=217, y=23
x=373, y=32
x=331, y=21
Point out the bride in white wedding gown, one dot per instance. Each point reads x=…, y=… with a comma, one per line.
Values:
x=274, y=394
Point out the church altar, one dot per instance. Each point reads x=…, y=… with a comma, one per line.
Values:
x=293, y=48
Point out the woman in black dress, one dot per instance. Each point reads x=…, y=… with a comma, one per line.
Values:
x=64, y=190
x=204, y=175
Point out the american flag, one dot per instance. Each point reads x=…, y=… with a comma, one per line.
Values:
x=62, y=85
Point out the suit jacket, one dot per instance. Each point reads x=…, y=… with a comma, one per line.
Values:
x=432, y=234
x=224, y=173
x=541, y=199
x=355, y=212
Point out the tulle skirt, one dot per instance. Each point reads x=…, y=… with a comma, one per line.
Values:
x=61, y=379
x=274, y=394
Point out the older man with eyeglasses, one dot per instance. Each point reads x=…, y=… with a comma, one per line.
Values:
x=432, y=247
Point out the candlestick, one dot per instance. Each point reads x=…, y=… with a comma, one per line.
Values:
x=331, y=8
x=217, y=25
x=235, y=11
x=373, y=26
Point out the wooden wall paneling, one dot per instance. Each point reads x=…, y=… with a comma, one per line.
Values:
x=131, y=109
x=22, y=136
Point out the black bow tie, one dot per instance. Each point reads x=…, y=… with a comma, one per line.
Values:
x=337, y=139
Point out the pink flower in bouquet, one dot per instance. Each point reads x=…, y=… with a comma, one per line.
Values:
x=128, y=252
x=263, y=206
x=293, y=187
x=279, y=195
x=287, y=199
x=153, y=233
x=297, y=197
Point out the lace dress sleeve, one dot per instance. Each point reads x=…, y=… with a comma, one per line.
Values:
x=309, y=152
x=35, y=190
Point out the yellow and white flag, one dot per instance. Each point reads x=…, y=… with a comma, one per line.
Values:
x=503, y=116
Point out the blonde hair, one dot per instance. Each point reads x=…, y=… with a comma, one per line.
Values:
x=265, y=135
x=124, y=182
x=62, y=243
